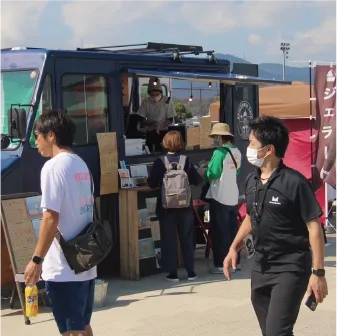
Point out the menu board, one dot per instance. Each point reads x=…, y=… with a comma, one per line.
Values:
x=21, y=222
x=125, y=90
x=35, y=212
x=193, y=136
x=205, y=131
x=108, y=154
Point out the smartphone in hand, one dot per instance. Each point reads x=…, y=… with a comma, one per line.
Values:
x=311, y=302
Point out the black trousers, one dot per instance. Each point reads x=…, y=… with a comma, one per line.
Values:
x=224, y=227
x=181, y=221
x=276, y=298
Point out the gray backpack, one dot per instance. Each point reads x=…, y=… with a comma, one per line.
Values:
x=176, y=190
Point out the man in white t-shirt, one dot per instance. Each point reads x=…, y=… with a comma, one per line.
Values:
x=157, y=112
x=67, y=203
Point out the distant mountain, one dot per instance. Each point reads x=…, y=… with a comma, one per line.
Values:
x=291, y=73
x=231, y=58
x=266, y=70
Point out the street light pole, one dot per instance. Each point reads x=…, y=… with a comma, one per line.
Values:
x=285, y=48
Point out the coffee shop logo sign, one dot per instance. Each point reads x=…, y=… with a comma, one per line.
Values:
x=244, y=117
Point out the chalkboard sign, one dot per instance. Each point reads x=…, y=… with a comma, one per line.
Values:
x=20, y=220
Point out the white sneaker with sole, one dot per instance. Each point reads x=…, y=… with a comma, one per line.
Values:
x=217, y=270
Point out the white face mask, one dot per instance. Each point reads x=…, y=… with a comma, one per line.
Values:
x=156, y=99
x=216, y=142
x=252, y=157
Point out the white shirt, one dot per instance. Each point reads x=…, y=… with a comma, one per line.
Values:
x=157, y=111
x=66, y=189
x=225, y=189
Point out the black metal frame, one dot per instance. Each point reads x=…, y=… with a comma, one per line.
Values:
x=149, y=47
x=153, y=48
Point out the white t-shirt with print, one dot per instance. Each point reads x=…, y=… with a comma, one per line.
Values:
x=66, y=189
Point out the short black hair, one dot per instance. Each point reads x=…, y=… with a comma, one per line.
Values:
x=226, y=138
x=271, y=131
x=59, y=123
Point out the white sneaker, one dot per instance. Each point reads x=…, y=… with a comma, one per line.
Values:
x=217, y=270
x=192, y=276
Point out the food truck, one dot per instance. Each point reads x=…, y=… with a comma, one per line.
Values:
x=101, y=89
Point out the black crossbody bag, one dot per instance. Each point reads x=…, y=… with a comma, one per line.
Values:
x=206, y=185
x=91, y=246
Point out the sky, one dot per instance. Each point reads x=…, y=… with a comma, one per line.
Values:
x=248, y=29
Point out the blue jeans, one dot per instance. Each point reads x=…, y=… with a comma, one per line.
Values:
x=72, y=303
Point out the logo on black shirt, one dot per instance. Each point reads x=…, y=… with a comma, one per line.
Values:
x=274, y=200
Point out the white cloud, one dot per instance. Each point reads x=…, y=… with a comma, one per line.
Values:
x=323, y=35
x=20, y=22
x=209, y=17
x=102, y=23
x=118, y=22
x=98, y=21
x=219, y=17
x=305, y=44
x=255, y=39
x=319, y=43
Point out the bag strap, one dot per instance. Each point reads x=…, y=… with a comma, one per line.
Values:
x=230, y=153
x=58, y=235
x=182, y=161
x=166, y=162
x=95, y=212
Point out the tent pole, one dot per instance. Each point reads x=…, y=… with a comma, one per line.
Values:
x=311, y=124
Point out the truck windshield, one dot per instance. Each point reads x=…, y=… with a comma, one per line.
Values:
x=17, y=87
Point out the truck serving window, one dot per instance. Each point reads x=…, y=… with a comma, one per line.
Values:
x=85, y=99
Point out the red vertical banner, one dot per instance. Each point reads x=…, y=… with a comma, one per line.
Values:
x=325, y=156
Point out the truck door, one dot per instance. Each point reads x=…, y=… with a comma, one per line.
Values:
x=84, y=88
x=90, y=91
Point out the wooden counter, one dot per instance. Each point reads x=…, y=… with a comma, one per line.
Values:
x=129, y=231
x=130, y=235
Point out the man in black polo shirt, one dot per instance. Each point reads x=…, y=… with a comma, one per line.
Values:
x=283, y=216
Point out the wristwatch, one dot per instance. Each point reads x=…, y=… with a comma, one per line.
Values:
x=37, y=260
x=319, y=272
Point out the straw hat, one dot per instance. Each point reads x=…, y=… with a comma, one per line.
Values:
x=220, y=129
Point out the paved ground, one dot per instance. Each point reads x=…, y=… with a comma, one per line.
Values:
x=208, y=306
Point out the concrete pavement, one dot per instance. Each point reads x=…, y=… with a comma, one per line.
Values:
x=208, y=306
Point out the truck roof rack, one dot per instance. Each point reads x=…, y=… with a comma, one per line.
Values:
x=154, y=48
x=148, y=48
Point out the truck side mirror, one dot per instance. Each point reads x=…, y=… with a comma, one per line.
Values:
x=17, y=123
x=5, y=141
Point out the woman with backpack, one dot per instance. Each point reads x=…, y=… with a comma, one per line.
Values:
x=173, y=174
x=223, y=193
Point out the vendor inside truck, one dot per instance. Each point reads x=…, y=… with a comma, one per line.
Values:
x=157, y=113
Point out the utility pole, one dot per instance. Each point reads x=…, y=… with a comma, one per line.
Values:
x=285, y=48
